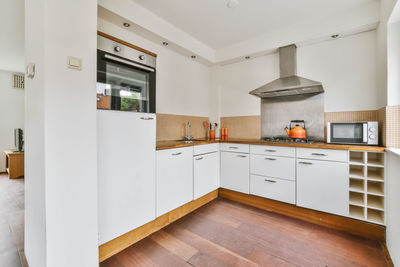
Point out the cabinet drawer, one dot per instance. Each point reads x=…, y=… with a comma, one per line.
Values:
x=277, y=189
x=322, y=154
x=204, y=149
x=230, y=147
x=273, y=151
x=271, y=166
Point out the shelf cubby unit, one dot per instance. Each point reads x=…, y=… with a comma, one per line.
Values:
x=376, y=216
x=375, y=188
x=356, y=212
x=356, y=171
x=376, y=159
x=357, y=185
x=367, y=186
x=357, y=157
x=356, y=199
x=375, y=173
x=375, y=202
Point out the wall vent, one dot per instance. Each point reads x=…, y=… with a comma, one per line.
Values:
x=18, y=81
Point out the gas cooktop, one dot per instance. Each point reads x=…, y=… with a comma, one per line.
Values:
x=282, y=139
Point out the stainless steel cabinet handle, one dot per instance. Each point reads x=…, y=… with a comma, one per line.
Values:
x=176, y=154
x=305, y=163
x=147, y=118
x=269, y=150
x=270, y=181
x=233, y=147
x=199, y=158
x=269, y=158
x=242, y=156
x=319, y=154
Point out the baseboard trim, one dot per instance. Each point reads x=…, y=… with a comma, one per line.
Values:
x=120, y=243
x=352, y=226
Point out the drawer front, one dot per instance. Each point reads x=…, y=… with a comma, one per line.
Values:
x=322, y=154
x=274, y=151
x=271, y=166
x=231, y=147
x=277, y=189
x=204, y=149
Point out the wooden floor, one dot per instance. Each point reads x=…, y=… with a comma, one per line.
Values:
x=224, y=233
x=12, y=222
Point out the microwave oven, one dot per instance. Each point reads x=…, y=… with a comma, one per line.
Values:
x=354, y=133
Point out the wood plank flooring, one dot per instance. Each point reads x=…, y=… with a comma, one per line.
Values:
x=225, y=233
x=12, y=222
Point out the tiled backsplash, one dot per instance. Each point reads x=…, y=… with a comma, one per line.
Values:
x=249, y=127
x=393, y=126
x=242, y=127
x=173, y=127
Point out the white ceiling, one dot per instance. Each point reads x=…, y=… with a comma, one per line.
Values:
x=12, y=44
x=211, y=22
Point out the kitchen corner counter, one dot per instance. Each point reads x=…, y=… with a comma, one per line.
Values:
x=161, y=145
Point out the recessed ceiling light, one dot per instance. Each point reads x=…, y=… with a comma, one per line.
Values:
x=165, y=43
x=232, y=3
x=247, y=57
x=334, y=36
x=193, y=56
x=126, y=24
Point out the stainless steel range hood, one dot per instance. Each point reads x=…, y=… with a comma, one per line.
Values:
x=289, y=83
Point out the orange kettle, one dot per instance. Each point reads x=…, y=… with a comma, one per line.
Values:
x=296, y=132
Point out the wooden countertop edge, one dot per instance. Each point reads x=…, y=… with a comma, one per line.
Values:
x=162, y=145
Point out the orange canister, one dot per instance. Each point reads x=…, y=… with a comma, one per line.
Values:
x=226, y=133
x=212, y=134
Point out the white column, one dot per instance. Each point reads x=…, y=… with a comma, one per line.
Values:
x=61, y=155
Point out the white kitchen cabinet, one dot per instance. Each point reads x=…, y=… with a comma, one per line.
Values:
x=323, y=186
x=277, y=189
x=126, y=171
x=174, y=178
x=271, y=166
x=206, y=173
x=235, y=171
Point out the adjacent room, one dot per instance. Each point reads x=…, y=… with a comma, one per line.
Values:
x=199, y=133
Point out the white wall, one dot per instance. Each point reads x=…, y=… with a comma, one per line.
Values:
x=12, y=110
x=392, y=202
x=61, y=142
x=393, y=63
x=386, y=9
x=12, y=35
x=183, y=85
x=345, y=66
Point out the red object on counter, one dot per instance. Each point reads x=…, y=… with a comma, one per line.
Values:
x=212, y=134
x=226, y=133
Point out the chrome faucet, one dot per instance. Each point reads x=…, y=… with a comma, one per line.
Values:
x=188, y=138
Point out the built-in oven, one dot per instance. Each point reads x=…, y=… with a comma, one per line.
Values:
x=357, y=133
x=126, y=78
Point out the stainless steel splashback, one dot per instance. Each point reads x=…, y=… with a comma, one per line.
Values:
x=278, y=112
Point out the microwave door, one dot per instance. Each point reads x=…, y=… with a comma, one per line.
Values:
x=348, y=133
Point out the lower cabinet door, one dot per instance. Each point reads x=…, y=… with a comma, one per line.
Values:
x=277, y=189
x=206, y=174
x=235, y=171
x=323, y=186
x=174, y=178
x=126, y=158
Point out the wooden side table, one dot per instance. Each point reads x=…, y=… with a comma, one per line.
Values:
x=15, y=164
